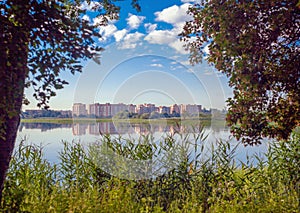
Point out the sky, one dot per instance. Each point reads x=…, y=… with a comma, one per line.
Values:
x=144, y=62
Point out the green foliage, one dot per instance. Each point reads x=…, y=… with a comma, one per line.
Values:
x=40, y=39
x=207, y=181
x=256, y=44
x=55, y=37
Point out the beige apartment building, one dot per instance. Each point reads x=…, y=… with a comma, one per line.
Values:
x=191, y=109
x=79, y=109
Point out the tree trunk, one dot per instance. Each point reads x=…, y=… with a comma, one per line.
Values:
x=13, y=71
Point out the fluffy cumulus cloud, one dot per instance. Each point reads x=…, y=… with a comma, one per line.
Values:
x=107, y=31
x=134, y=21
x=176, y=16
x=90, y=6
x=86, y=17
x=178, y=46
x=131, y=40
x=150, y=27
x=119, y=35
x=161, y=37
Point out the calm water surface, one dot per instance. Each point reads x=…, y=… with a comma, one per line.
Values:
x=50, y=136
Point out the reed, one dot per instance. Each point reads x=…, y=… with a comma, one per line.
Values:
x=200, y=180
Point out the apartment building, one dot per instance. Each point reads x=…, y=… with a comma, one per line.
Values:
x=164, y=110
x=191, y=109
x=175, y=109
x=79, y=109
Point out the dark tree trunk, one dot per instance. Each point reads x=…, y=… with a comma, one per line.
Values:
x=13, y=71
x=6, y=146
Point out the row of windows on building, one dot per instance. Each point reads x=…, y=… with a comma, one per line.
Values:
x=110, y=110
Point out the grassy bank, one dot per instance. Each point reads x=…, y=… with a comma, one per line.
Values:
x=210, y=182
x=131, y=120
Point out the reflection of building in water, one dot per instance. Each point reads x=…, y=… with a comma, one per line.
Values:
x=93, y=129
x=102, y=128
x=176, y=129
x=165, y=128
x=79, y=109
x=143, y=129
x=79, y=129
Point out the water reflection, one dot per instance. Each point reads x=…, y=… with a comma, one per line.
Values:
x=51, y=134
x=43, y=126
x=121, y=128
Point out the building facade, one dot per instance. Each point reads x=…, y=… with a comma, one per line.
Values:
x=79, y=109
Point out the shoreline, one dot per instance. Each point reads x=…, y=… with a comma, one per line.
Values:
x=206, y=119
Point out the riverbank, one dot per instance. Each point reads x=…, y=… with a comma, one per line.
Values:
x=204, y=120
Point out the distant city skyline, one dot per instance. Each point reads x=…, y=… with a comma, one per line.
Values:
x=105, y=110
x=66, y=109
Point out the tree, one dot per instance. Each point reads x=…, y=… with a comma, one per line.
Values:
x=39, y=39
x=257, y=45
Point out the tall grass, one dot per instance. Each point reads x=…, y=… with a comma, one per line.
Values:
x=197, y=181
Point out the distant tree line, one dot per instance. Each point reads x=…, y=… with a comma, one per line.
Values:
x=156, y=115
x=46, y=113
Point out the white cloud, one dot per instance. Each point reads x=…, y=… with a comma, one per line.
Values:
x=156, y=65
x=86, y=6
x=168, y=37
x=150, y=27
x=107, y=31
x=119, y=35
x=174, y=15
x=206, y=50
x=178, y=46
x=134, y=21
x=161, y=37
x=86, y=17
x=131, y=40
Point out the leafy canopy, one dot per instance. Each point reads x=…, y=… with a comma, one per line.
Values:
x=56, y=35
x=256, y=43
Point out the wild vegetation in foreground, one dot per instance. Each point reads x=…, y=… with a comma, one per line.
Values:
x=203, y=180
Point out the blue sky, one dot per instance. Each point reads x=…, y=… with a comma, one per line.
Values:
x=144, y=62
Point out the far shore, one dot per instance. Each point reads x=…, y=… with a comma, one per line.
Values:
x=206, y=120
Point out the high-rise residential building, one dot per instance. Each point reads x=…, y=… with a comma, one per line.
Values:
x=94, y=109
x=116, y=108
x=191, y=109
x=105, y=110
x=131, y=108
x=110, y=110
x=79, y=109
x=175, y=109
x=164, y=110
x=146, y=108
